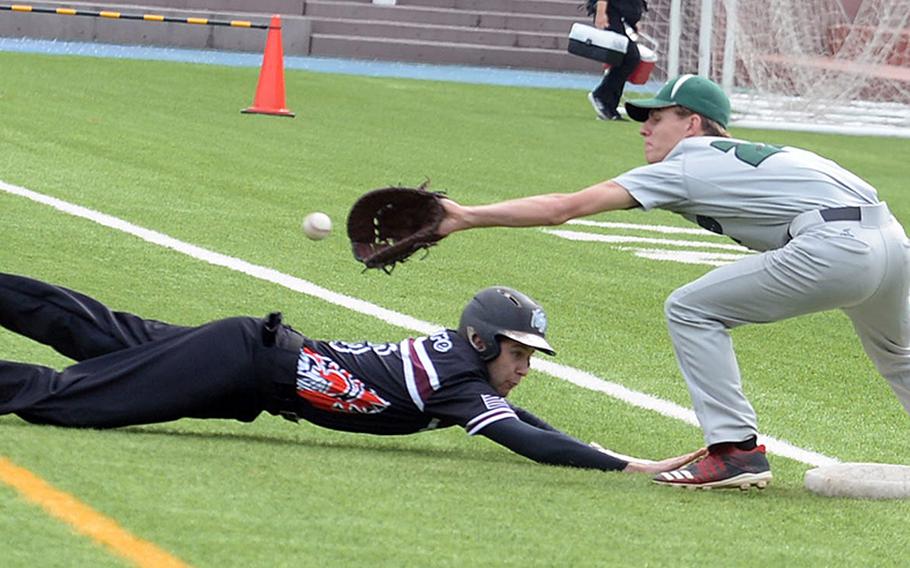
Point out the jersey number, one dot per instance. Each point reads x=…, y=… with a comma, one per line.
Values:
x=752, y=154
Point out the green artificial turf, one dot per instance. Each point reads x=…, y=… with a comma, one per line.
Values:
x=164, y=146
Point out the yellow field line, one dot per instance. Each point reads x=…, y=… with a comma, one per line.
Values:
x=84, y=519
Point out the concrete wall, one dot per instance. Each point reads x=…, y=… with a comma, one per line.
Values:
x=528, y=34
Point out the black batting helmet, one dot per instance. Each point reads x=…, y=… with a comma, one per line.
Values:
x=501, y=311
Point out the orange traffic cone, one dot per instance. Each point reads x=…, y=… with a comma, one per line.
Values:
x=270, y=90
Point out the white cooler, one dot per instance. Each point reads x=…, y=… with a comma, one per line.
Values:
x=605, y=46
x=591, y=43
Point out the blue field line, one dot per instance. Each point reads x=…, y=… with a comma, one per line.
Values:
x=369, y=68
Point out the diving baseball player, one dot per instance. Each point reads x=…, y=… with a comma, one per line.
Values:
x=825, y=242
x=137, y=371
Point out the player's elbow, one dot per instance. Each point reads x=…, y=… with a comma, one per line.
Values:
x=558, y=218
x=561, y=209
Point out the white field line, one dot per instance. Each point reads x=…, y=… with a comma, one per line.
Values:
x=566, y=373
x=652, y=228
x=599, y=238
x=685, y=256
x=218, y=259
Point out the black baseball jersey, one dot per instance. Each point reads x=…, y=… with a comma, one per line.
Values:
x=420, y=383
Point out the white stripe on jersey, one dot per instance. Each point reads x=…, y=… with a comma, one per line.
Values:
x=481, y=421
x=409, y=374
x=427, y=363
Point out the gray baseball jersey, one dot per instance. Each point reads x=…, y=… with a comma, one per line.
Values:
x=748, y=191
x=828, y=243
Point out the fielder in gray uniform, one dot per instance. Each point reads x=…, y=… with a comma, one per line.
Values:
x=825, y=242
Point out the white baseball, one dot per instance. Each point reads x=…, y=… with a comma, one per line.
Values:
x=317, y=226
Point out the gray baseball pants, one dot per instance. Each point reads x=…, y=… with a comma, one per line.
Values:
x=861, y=267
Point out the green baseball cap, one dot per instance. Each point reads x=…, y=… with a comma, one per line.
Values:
x=693, y=92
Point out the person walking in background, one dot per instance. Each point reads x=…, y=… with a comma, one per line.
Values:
x=615, y=15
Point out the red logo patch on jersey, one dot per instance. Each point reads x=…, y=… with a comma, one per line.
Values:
x=325, y=385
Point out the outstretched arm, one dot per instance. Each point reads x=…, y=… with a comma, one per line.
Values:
x=550, y=446
x=556, y=448
x=528, y=418
x=537, y=210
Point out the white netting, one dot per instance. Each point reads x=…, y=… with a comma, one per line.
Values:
x=822, y=61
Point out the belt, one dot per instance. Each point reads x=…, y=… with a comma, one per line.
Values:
x=841, y=214
x=869, y=215
x=275, y=366
x=270, y=326
x=276, y=334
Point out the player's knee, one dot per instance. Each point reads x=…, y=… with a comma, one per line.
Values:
x=680, y=310
x=901, y=388
x=675, y=309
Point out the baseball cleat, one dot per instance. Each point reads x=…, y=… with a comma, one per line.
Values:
x=726, y=468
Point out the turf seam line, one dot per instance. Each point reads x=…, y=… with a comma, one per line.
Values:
x=575, y=376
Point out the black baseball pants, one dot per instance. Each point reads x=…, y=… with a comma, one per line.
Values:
x=131, y=370
x=610, y=89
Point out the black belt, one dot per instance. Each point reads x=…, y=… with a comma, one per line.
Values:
x=278, y=379
x=841, y=214
x=826, y=215
x=276, y=334
x=270, y=327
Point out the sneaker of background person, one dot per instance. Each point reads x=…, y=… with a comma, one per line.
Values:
x=723, y=468
x=603, y=113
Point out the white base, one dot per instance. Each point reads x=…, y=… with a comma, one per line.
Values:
x=860, y=480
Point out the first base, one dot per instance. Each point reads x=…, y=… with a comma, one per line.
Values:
x=860, y=480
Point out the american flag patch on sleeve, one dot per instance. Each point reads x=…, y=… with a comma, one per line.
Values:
x=497, y=409
x=492, y=402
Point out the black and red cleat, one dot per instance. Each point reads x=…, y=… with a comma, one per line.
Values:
x=729, y=467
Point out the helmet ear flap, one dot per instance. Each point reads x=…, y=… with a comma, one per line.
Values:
x=475, y=339
x=479, y=344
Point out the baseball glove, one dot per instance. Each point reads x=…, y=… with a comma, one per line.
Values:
x=386, y=226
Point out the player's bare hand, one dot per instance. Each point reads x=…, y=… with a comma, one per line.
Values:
x=646, y=466
x=640, y=465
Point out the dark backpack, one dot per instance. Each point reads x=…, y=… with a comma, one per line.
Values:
x=631, y=10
